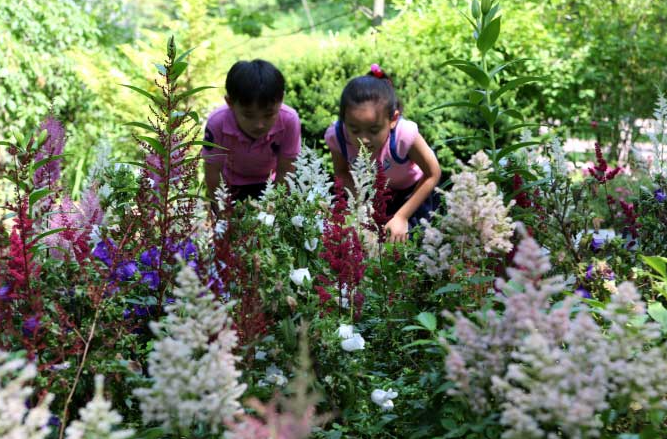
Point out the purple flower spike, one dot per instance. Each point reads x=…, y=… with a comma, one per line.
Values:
x=5, y=293
x=151, y=257
x=104, y=251
x=589, y=272
x=597, y=244
x=30, y=326
x=188, y=250
x=660, y=195
x=152, y=278
x=582, y=292
x=126, y=270
x=127, y=314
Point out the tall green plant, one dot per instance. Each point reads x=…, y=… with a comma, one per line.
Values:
x=485, y=97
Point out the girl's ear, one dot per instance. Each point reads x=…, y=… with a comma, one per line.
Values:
x=394, y=120
x=228, y=101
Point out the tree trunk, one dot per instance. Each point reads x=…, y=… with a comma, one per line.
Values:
x=378, y=12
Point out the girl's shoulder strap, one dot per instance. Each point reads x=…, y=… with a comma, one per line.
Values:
x=340, y=137
x=392, y=147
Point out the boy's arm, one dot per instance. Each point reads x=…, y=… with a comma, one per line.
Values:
x=285, y=165
x=212, y=177
x=425, y=158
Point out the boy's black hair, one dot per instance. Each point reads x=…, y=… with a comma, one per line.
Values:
x=255, y=82
x=372, y=87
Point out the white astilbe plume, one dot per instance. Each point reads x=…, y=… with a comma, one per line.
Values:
x=16, y=420
x=558, y=168
x=222, y=195
x=476, y=223
x=548, y=371
x=97, y=419
x=658, y=137
x=363, y=171
x=309, y=180
x=268, y=191
x=192, y=366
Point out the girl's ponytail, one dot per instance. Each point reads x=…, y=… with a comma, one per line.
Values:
x=375, y=86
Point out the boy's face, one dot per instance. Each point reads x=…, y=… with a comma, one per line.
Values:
x=254, y=120
x=369, y=124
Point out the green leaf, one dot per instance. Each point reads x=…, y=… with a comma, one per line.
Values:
x=428, y=320
x=155, y=143
x=140, y=125
x=204, y=143
x=454, y=104
x=489, y=35
x=47, y=233
x=471, y=70
x=186, y=196
x=513, y=114
x=420, y=343
x=413, y=328
x=490, y=114
x=515, y=147
x=658, y=263
x=142, y=165
x=476, y=96
x=519, y=125
x=38, y=195
x=511, y=85
x=143, y=92
x=182, y=56
x=160, y=68
x=658, y=313
x=177, y=69
x=501, y=67
x=449, y=288
x=191, y=92
x=39, y=164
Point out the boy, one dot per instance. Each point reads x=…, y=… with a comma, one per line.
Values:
x=260, y=135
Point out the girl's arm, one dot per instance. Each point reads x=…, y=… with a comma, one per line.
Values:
x=425, y=158
x=342, y=169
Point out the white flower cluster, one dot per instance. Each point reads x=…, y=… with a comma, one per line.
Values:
x=16, y=420
x=558, y=167
x=97, y=419
x=384, y=399
x=550, y=374
x=658, y=137
x=476, y=223
x=309, y=178
x=363, y=172
x=192, y=365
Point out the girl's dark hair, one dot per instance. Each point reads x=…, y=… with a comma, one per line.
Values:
x=255, y=82
x=374, y=87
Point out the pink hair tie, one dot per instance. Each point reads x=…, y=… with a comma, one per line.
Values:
x=377, y=71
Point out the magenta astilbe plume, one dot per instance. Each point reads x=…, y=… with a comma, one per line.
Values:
x=48, y=174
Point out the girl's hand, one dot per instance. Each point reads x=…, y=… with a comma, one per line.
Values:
x=397, y=228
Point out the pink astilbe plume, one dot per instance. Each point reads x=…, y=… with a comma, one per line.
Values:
x=380, y=200
x=273, y=424
x=601, y=171
x=550, y=371
x=48, y=174
x=78, y=221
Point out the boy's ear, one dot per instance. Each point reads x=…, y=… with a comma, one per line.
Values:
x=394, y=119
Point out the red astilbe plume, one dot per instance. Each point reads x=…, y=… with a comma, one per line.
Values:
x=601, y=171
x=21, y=267
x=380, y=200
x=521, y=197
x=343, y=250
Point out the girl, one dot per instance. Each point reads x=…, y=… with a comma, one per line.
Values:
x=370, y=116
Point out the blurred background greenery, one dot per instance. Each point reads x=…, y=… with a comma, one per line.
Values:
x=604, y=59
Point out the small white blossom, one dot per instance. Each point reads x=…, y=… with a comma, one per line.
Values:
x=298, y=220
x=260, y=355
x=354, y=343
x=310, y=244
x=221, y=227
x=275, y=376
x=266, y=218
x=345, y=331
x=299, y=276
x=384, y=399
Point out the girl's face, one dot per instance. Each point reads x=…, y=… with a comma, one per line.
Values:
x=369, y=123
x=253, y=120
